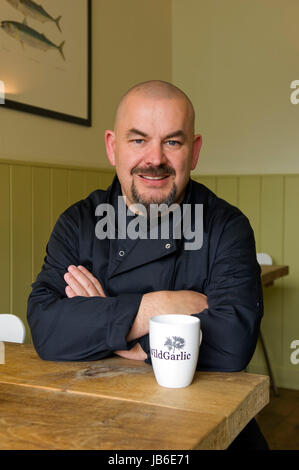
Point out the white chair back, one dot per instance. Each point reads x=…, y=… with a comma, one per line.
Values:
x=264, y=258
x=12, y=328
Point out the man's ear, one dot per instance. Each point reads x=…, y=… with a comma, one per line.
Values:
x=197, y=143
x=110, y=146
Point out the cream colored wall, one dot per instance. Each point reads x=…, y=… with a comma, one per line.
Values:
x=236, y=60
x=131, y=42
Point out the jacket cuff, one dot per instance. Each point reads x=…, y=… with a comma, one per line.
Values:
x=144, y=343
x=120, y=321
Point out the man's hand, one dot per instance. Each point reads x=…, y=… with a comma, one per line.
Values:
x=81, y=282
x=136, y=353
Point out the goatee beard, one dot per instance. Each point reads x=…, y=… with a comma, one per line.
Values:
x=140, y=199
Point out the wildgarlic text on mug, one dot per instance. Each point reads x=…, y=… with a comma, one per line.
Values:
x=182, y=356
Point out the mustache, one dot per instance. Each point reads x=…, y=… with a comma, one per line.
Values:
x=160, y=170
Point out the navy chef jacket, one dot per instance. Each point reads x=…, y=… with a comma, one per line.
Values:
x=225, y=269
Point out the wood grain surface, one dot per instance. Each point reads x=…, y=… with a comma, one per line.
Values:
x=220, y=404
x=272, y=272
x=38, y=419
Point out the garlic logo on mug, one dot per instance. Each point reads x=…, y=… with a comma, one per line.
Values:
x=173, y=344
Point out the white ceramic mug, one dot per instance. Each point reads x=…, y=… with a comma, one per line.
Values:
x=174, y=347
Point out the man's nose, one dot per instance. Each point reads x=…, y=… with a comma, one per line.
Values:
x=156, y=155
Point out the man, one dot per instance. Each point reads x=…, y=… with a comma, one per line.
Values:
x=95, y=294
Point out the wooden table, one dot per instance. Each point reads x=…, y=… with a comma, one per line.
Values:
x=117, y=404
x=272, y=272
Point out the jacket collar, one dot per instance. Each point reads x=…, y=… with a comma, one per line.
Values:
x=126, y=254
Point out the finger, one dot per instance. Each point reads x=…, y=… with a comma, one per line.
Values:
x=69, y=292
x=83, y=281
x=77, y=288
x=93, y=279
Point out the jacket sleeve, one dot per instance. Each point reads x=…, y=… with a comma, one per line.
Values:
x=80, y=328
x=230, y=325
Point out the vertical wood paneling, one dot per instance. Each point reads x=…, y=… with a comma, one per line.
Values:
x=41, y=224
x=227, y=188
x=208, y=181
x=91, y=182
x=271, y=242
x=5, y=239
x=75, y=186
x=249, y=202
x=59, y=193
x=272, y=218
x=105, y=179
x=21, y=239
x=291, y=257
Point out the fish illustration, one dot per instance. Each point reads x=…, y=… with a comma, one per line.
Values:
x=33, y=10
x=26, y=35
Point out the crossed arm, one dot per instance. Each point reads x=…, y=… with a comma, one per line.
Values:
x=80, y=282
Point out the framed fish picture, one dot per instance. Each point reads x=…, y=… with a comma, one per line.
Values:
x=45, y=58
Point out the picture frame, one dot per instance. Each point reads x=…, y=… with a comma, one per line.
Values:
x=46, y=58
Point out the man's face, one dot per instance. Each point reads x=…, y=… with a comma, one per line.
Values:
x=153, y=149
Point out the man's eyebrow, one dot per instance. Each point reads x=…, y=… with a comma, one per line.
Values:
x=136, y=131
x=179, y=133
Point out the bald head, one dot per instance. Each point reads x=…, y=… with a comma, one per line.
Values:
x=154, y=90
x=153, y=146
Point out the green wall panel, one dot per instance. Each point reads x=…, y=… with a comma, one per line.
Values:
x=76, y=187
x=271, y=242
x=41, y=222
x=91, y=182
x=227, y=188
x=59, y=193
x=21, y=239
x=290, y=328
x=5, y=271
x=208, y=181
x=249, y=203
x=105, y=179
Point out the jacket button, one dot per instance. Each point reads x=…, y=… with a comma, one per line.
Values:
x=121, y=253
x=167, y=246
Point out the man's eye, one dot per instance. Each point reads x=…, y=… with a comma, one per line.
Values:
x=138, y=141
x=173, y=143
